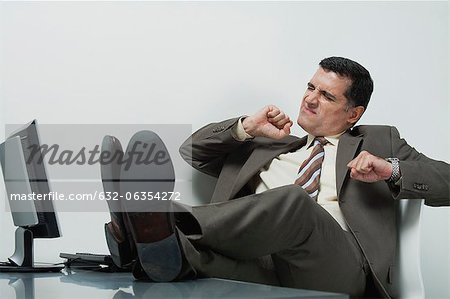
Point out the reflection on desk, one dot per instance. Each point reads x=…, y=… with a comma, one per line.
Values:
x=90, y=284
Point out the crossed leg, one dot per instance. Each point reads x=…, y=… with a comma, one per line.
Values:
x=308, y=247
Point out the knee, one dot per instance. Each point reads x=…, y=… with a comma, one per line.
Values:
x=295, y=190
x=297, y=211
x=294, y=198
x=295, y=195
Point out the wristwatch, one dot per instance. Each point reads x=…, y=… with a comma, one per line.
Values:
x=396, y=175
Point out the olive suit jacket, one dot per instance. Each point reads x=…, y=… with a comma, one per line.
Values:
x=368, y=208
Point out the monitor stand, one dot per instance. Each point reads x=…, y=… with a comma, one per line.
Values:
x=23, y=286
x=22, y=259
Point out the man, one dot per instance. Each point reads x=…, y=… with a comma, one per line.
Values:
x=322, y=206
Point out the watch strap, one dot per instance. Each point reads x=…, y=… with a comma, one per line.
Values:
x=396, y=175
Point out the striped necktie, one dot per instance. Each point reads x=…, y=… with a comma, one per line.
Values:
x=308, y=176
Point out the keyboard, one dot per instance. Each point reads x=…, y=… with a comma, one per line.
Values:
x=88, y=258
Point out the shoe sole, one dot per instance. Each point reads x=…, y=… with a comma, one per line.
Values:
x=154, y=233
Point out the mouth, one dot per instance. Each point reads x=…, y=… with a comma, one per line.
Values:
x=308, y=111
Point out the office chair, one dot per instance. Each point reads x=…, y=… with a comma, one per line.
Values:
x=408, y=274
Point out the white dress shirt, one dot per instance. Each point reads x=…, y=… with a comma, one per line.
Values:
x=283, y=170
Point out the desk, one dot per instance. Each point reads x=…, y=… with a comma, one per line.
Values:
x=82, y=284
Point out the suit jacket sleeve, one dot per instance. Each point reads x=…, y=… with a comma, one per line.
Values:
x=422, y=177
x=207, y=149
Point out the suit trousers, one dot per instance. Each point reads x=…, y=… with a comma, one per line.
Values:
x=308, y=248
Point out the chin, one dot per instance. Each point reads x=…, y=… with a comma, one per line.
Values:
x=303, y=126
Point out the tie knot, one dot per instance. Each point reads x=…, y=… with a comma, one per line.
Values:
x=320, y=140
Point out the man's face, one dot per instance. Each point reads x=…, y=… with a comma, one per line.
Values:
x=324, y=110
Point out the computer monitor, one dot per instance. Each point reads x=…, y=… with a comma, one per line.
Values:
x=25, y=176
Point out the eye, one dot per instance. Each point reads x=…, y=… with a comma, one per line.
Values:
x=329, y=98
x=310, y=86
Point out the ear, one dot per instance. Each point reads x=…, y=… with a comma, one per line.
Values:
x=355, y=114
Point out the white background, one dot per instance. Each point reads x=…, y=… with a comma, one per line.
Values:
x=137, y=63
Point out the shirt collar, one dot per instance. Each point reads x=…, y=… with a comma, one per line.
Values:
x=333, y=139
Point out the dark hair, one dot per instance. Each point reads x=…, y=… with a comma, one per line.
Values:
x=358, y=94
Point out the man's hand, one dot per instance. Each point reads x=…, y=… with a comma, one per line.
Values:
x=269, y=122
x=369, y=168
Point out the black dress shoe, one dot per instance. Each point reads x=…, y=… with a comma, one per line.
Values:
x=146, y=178
x=118, y=236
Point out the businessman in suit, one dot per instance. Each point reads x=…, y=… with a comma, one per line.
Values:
x=322, y=207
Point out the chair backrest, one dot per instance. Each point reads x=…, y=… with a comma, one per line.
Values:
x=409, y=275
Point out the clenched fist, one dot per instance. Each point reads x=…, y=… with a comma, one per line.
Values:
x=269, y=122
x=369, y=168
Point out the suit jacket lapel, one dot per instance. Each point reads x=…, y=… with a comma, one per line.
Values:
x=347, y=148
x=260, y=157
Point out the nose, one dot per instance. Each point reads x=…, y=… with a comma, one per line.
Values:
x=312, y=98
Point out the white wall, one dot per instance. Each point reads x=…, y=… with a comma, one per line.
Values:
x=120, y=63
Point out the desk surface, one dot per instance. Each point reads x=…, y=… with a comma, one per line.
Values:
x=90, y=284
